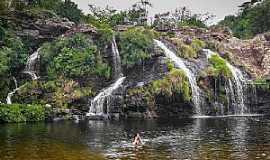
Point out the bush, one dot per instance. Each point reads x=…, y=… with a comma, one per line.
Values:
x=13, y=55
x=61, y=93
x=188, y=51
x=176, y=82
x=73, y=57
x=136, y=45
x=252, y=19
x=72, y=63
x=21, y=113
x=219, y=67
x=198, y=45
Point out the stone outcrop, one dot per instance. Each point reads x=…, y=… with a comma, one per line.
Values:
x=259, y=99
x=251, y=54
x=37, y=27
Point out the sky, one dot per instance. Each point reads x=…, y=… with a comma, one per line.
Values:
x=219, y=8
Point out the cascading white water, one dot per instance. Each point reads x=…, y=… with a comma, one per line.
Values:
x=98, y=103
x=9, y=96
x=235, y=87
x=103, y=98
x=30, y=65
x=240, y=85
x=116, y=59
x=29, y=69
x=179, y=63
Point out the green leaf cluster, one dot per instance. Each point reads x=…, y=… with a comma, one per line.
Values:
x=252, y=19
x=218, y=67
x=136, y=45
x=61, y=93
x=175, y=83
x=188, y=51
x=73, y=57
x=21, y=113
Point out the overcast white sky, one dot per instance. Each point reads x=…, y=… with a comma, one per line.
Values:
x=220, y=8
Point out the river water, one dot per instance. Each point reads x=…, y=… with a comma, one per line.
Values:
x=201, y=138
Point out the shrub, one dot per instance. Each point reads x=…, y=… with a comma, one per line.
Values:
x=176, y=82
x=219, y=67
x=21, y=113
x=136, y=45
x=73, y=57
x=188, y=51
x=61, y=93
x=13, y=54
x=72, y=62
x=198, y=45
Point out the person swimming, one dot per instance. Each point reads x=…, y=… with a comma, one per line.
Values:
x=137, y=140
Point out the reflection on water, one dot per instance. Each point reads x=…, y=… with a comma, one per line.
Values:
x=206, y=138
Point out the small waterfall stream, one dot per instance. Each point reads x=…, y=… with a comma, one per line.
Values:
x=234, y=87
x=191, y=77
x=102, y=100
x=116, y=60
x=29, y=69
x=100, y=105
x=30, y=65
x=9, y=96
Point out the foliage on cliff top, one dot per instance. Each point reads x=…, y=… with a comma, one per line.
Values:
x=135, y=45
x=66, y=8
x=253, y=18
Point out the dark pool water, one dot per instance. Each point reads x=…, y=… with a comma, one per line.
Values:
x=205, y=138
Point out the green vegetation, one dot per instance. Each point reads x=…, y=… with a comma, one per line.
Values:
x=21, y=113
x=73, y=57
x=181, y=17
x=218, y=67
x=60, y=93
x=252, y=19
x=137, y=14
x=188, y=51
x=136, y=45
x=213, y=80
x=13, y=55
x=262, y=84
x=66, y=8
x=175, y=83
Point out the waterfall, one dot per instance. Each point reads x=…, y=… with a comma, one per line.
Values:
x=9, y=96
x=29, y=69
x=179, y=63
x=100, y=105
x=235, y=86
x=102, y=100
x=116, y=59
x=240, y=85
x=30, y=65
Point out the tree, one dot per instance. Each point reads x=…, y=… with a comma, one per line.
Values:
x=180, y=17
x=69, y=10
x=252, y=19
x=139, y=12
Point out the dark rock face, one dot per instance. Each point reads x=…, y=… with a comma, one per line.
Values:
x=37, y=28
x=259, y=99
